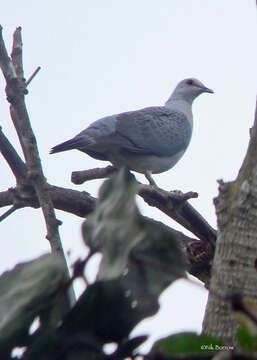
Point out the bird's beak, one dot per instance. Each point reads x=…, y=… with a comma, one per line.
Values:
x=205, y=89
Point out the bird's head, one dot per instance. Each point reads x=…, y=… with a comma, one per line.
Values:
x=189, y=89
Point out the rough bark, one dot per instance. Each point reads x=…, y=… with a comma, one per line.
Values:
x=234, y=266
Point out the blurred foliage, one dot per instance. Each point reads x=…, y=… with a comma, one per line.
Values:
x=140, y=258
x=247, y=342
x=31, y=289
x=245, y=313
x=186, y=343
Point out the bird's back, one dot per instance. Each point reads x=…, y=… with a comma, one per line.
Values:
x=155, y=130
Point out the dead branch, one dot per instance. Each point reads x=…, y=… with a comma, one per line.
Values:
x=12, y=158
x=79, y=177
x=78, y=203
x=173, y=204
x=8, y=212
x=16, y=54
x=15, y=94
x=32, y=76
x=15, y=90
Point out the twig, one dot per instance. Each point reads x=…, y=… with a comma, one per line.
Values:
x=79, y=268
x=8, y=212
x=32, y=76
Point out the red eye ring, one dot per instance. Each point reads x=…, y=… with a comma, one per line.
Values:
x=190, y=82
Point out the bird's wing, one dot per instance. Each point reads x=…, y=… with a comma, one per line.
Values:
x=154, y=130
x=102, y=133
x=151, y=131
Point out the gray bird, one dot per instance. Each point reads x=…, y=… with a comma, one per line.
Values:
x=150, y=140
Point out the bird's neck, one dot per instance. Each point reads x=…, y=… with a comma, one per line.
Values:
x=183, y=106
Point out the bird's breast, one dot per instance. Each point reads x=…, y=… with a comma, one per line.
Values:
x=141, y=163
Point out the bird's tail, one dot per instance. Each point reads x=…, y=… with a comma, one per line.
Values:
x=67, y=145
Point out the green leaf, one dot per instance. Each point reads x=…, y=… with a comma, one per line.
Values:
x=140, y=259
x=247, y=342
x=160, y=255
x=29, y=291
x=124, y=237
x=114, y=226
x=187, y=343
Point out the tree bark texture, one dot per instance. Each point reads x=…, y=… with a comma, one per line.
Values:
x=234, y=265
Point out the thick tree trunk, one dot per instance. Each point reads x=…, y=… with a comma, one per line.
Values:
x=234, y=266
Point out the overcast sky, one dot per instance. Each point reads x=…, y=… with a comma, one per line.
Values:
x=102, y=57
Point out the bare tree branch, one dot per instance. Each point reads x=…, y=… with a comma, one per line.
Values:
x=198, y=255
x=32, y=76
x=79, y=177
x=15, y=90
x=173, y=204
x=6, y=198
x=11, y=156
x=16, y=54
x=176, y=207
x=75, y=202
x=5, y=62
x=8, y=212
x=15, y=95
x=72, y=201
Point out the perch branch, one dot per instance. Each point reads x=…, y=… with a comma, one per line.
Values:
x=173, y=204
x=79, y=177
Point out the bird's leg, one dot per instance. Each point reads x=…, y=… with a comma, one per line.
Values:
x=149, y=178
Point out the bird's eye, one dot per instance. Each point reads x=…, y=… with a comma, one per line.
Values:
x=190, y=82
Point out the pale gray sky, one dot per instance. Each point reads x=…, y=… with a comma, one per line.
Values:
x=102, y=57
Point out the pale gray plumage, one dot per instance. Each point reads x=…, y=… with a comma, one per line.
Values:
x=150, y=140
